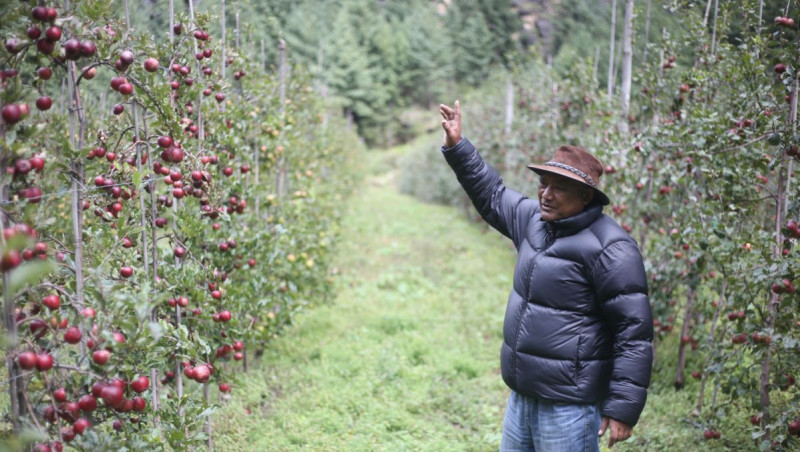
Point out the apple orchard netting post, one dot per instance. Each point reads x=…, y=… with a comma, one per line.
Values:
x=139, y=142
x=76, y=113
x=15, y=385
x=178, y=368
x=200, y=138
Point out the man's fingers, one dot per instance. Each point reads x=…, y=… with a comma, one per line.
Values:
x=613, y=434
x=603, y=426
x=458, y=109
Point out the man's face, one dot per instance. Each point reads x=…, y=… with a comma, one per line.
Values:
x=561, y=197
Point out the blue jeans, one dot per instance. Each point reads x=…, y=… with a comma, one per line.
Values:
x=544, y=426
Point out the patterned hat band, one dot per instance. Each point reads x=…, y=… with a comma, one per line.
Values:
x=574, y=170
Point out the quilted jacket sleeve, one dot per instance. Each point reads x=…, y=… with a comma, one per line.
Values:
x=502, y=208
x=621, y=287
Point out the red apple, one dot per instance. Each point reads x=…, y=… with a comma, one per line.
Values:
x=112, y=396
x=67, y=434
x=44, y=362
x=150, y=64
x=126, y=57
x=39, y=13
x=89, y=72
x=52, y=302
x=37, y=163
x=139, y=404
x=60, y=395
x=126, y=272
x=140, y=384
x=225, y=316
x=72, y=49
x=202, y=373
x=88, y=48
x=53, y=33
x=11, y=114
x=44, y=73
x=72, y=335
x=101, y=357
x=81, y=425
x=10, y=260
x=26, y=360
x=88, y=403
x=44, y=46
x=126, y=89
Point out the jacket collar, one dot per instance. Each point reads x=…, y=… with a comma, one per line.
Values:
x=571, y=225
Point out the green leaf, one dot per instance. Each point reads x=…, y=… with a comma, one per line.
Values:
x=137, y=179
x=208, y=411
x=29, y=274
x=11, y=136
x=155, y=330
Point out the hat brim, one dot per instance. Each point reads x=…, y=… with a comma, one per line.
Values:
x=599, y=195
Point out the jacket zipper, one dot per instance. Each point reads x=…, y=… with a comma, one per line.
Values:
x=522, y=307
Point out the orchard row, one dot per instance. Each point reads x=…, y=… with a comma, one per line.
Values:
x=700, y=172
x=150, y=248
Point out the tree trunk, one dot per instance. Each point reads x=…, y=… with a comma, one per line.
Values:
x=721, y=304
x=627, y=62
x=646, y=32
x=282, y=163
x=509, y=105
x=224, y=38
x=705, y=16
x=714, y=29
x=687, y=320
x=611, y=48
x=15, y=382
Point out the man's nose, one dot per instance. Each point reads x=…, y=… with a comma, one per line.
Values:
x=547, y=193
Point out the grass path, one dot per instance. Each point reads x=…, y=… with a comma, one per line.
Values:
x=406, y=358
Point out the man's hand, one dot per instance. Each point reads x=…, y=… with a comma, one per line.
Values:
x=619, y=430
x=451, y=123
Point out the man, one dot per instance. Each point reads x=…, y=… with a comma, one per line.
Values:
x=578, y=328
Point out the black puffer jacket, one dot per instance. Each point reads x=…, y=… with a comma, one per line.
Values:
x=578, y=326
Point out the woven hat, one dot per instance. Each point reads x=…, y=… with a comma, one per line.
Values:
x=578, y=164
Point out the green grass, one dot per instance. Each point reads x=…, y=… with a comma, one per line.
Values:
x=407, y=357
